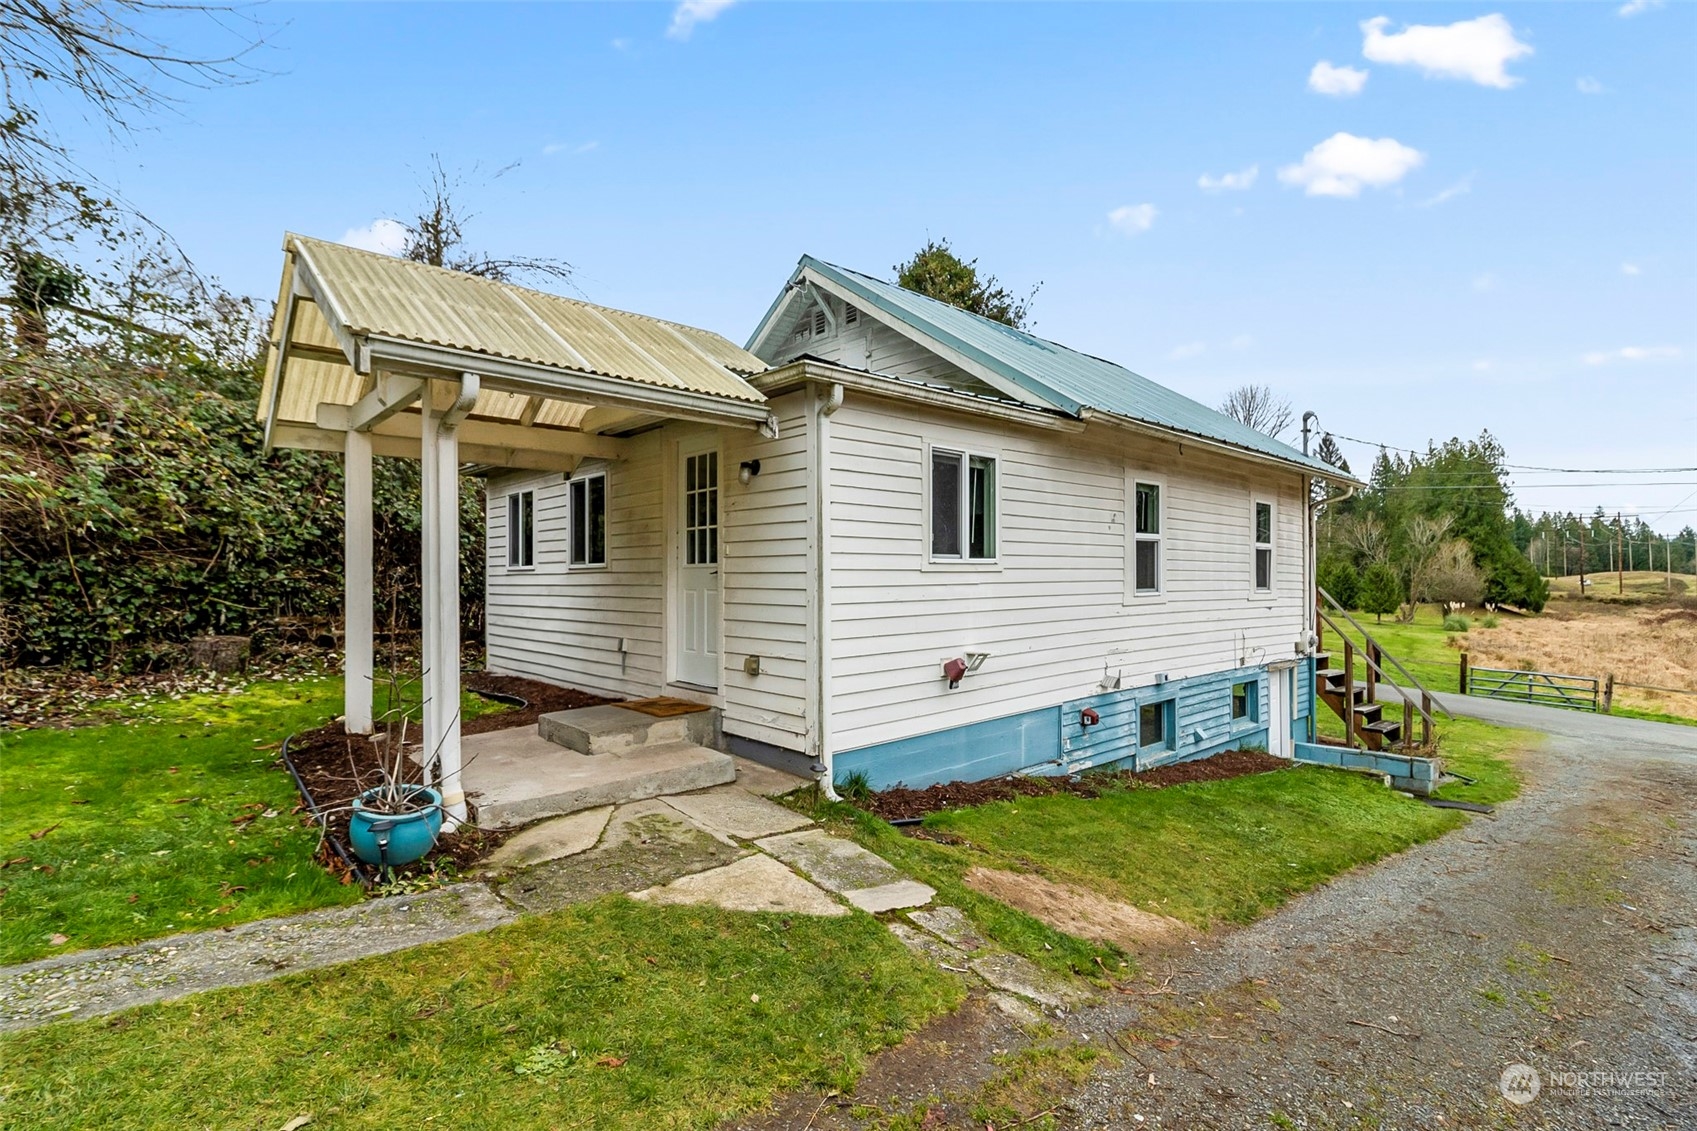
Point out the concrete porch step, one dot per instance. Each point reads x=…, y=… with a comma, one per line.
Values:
x=618, y=730
x=516, y=776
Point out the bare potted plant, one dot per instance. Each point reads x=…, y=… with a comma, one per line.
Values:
x=396, y=821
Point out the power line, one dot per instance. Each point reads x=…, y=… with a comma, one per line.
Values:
x=1529, y=466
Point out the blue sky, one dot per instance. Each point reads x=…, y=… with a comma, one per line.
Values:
x=1504, y=236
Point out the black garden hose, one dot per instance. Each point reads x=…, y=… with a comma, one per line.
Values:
x=347, y=858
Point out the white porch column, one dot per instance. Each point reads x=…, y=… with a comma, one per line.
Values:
x=439, y=454
x=357, y=619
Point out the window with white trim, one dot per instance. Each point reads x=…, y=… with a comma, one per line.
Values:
x=589, y=519
x=1146, y=549
x=963, y=506
x=521, y=529
x=1263, y=547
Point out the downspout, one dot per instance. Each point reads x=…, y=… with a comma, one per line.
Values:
x=822, y=514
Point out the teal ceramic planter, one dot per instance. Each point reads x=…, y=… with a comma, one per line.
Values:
x=390, y=840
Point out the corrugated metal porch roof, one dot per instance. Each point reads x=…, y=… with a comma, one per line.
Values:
x=362, y=295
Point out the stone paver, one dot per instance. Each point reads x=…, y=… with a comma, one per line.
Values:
x=90, y=983
x=765, y=780
x=1021, y=976
x=736, y=812
x=951, y=925
x=833, y=863
x=891, y=896
x=931, y=948
x=754, y=883
x=551, y=840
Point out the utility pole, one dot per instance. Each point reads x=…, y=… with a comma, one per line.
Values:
x=1582, y=562
x=1620, y=554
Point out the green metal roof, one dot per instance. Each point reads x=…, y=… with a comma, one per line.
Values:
x=1052, y=373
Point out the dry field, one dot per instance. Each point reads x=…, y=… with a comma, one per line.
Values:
x=1653, y=644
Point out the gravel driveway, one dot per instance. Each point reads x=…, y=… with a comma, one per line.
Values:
x=1559, y=934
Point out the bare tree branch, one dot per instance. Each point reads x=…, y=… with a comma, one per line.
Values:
x=437, y=235
x=1260, y=408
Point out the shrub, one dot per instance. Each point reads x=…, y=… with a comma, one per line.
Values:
x=1490, y=620
x=1456, y=623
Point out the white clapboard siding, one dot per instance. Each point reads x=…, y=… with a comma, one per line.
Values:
x=766, y=571
x=564, y=624
x=1053, y=611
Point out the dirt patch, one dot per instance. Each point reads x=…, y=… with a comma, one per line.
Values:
x=335, y=767
x=1078, y=911
x=902, y=803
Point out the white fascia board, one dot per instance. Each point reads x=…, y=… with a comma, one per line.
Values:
x=800, y=372
x=1180, y=436
x=919, y=337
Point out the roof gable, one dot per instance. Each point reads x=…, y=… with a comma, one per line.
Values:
x=1045, y=371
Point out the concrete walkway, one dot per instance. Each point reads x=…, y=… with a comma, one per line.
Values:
x=726, y=846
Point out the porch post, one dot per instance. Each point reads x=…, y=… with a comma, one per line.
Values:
x=439, y=454
x=356, y=584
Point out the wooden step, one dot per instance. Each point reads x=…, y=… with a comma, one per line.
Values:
x=1368, y=711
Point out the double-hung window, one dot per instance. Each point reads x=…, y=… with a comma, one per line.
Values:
x=1146, y=549
x=963, y=506
x=1263, y=547
x=521, y=529
x=589, y=520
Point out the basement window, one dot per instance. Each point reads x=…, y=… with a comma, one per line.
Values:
x=1263, y=547
x=1155, y=726
x=521, y=530
x=589, y=520
x=963, y=506
x=1244, y=705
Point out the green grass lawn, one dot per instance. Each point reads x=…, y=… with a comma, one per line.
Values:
x=145, y=833
x=1208, y=853
x=613, y=1014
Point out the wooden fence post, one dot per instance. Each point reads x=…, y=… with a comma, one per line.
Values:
x=1463, y=679
x=1609, y=694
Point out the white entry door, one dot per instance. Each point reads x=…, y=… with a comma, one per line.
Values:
x=698, y=567
x=1278, y=712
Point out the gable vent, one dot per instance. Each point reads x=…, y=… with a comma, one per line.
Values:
x=818, y=322
x=851, y=315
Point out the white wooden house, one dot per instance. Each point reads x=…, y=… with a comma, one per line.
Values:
x=955, y=550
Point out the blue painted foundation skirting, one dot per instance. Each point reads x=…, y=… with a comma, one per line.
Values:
x=1056, y=740
x=1416, y=775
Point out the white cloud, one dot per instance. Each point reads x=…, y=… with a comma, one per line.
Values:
x=1460, y=188
x=1485, y=282
x=1133, y=219
x=1476, y=50
x=621, y=44
x=381, y=235
x=1633, y=353
x=1630, y=269
x=1343, y=163
x=1341, y=82
x=1483, y=365
x=1186, y=351
x=555, y=148
x=1240, y=342
x=1634, y=7
x=691, y=12
x=1229, y=182
x=1589, y=85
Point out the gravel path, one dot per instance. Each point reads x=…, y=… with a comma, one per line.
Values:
x=1561, y=934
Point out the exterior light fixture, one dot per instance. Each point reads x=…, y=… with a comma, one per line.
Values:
x=748, y=470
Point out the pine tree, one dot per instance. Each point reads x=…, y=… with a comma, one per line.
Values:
x=1381, y=590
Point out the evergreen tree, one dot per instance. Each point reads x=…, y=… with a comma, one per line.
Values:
x=936, y=270
x=1381, y=590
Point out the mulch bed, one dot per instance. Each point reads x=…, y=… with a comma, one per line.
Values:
x=335, y=767
x=900, y=803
